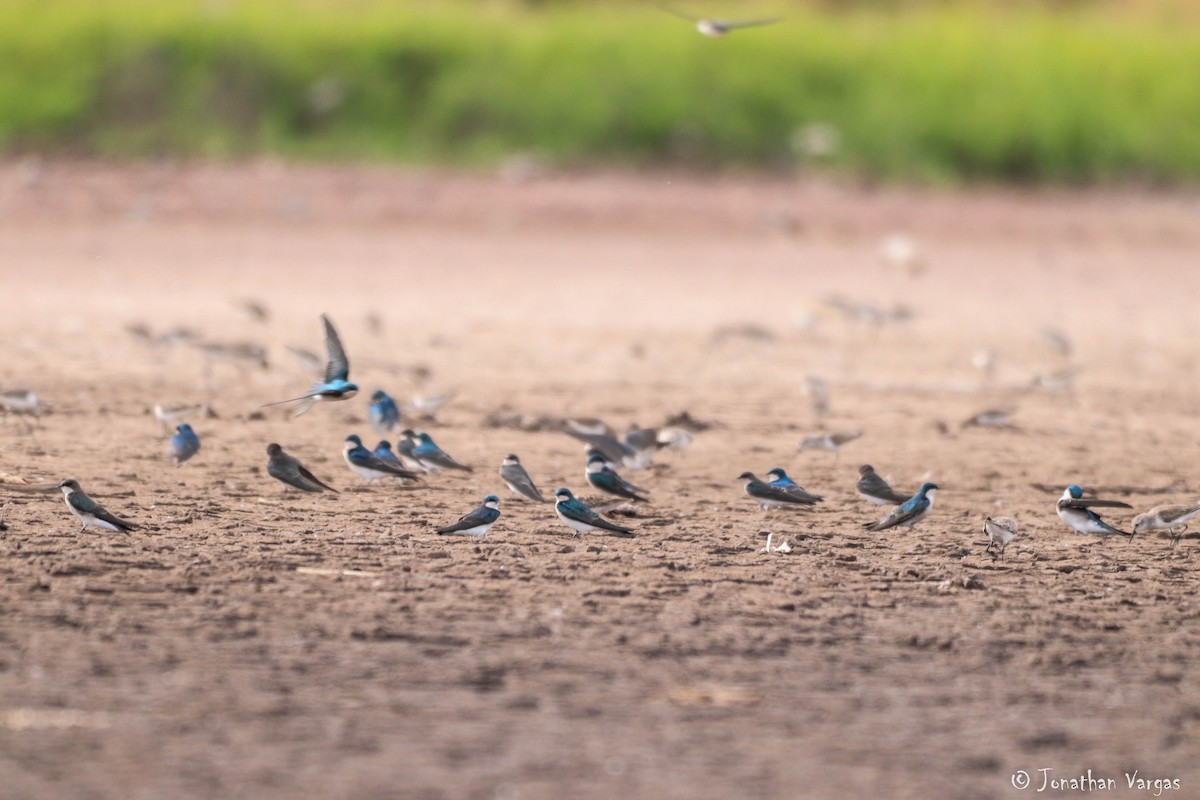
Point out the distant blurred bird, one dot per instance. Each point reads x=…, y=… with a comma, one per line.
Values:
x=89, y=512
x=605, y=478
x=288, y=470
x=517, y=479
x=20, y=401
x=1173, y=518
x=1076, y=511
x=717, y=28
x=589, y=426
x=1062, y=380
x=817, y=392
x=169, y=416
x=254, y=309
x=1000, y=531
x=991, y=418
x=901, y=253
x=769, y=496
x=383, y=451
x=479, y=521
x=384, y=415
x=578, y=517
x=432, y=457
x=336, y=384
x=1058, y=341
x=910, y=512
x=184, y=444
x=875, y=489
x=830, y=442
x=367, y=466
x=676, y=439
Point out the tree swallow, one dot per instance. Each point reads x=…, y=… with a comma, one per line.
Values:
x=383, y=451
x=89, y=512
x=291, y=472
x=1000, y=531
x=1173, y=518
x=479, y=521
x=606, y=479
x=518, y=480
x=1077, y=512
x=432, y=457
x=385, y=416
x=581, y=519
x=769, y=496
x=782, y=480
x=336, y=384
x=184, y=444
x=405, y=445
x=367, y=466
x=875, y=489
x=910, y=512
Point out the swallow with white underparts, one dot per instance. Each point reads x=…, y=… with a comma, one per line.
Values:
x=875, y=489
x=383, y=451
x=910, y=512
x=830, y=442
x=1172, y=518
x=782, y=480
x=578, y=517
x=89, y=512
x=1076, y=510
x=383, y=412
x=478, y=522
x=367, y=466
x=1000, y=531
x=432, y=457
x=404, y=448
x=289, y=471
x=516, y=477
x=769, y=496
x=605, y=478
x=184, y=444
x=336, y=383
x=719, y=28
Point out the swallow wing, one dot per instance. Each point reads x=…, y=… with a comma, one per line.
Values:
x=1085, y=502
x=338, y=366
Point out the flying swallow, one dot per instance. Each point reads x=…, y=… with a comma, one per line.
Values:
x=89, y=512
x=769, y=496
x=385, y=416
x=432, y=457
x=1076, y=511
x=479, y=521
x=718, y=28
x=367, y=466
x=184, y=444
x=1173, y=518
x=518, y=480
x=291, y=472
x=782, y=480
x=1000, y=531
x=606, y=479
x=831, y=442
x=875, y=489
x=908, y=513
x=581, y=519
x=336, y=384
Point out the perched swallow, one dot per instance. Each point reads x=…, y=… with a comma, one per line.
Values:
x=581, y=519
x=405, y=446
x=367, y=466
x=718, y=28
x=254, y=309
x=910, y=512
x=479, y=521
x=769, y=496
x=184, y=444
x=1173, y=518
x=1000, y=531
x=518, y=480
x=817, y=392
x=831, y=442
x=383, y=451
x=606, y=479
x=432, y=457
x=291, y=472
x=385, y=416
x=1077, y=512
x=169, y=416
x=782, y=480
x=89, y=512
x=641, y=439
x=336, y=384
x=875, y=489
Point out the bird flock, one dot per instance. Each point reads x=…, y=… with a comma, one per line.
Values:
x=418, y=457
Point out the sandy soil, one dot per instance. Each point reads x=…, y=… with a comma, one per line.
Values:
x=247, y=643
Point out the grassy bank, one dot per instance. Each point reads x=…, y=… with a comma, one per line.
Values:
x=944, y=93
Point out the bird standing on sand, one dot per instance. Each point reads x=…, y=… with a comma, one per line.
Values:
x=478, y=522
x=1000, y=531
x=912, y=511
x=605, y=478
x=578, y=517
x=1173, y=518
x=517, y=479
x=369, y=467
x=769, y=496
x=432, y=457
x=875, y=489
x=288, y=470
x=1076, y=511
x=89, y=512
x=383, y=412
x=184, y=444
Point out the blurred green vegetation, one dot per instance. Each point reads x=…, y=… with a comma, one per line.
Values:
x=1073, y=93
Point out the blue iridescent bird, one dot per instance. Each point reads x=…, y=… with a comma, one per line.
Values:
x=432, y=457
x=383, y=451
x=910, y=512
x=384, y=414
x=336, y=383
x=184, y=444
x=1076, y=511
x=369, y=467
x=581, y=519
x=603, y=477
x=771, y=495
x=478, y=522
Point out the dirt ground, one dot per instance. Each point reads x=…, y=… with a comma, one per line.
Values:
x=251, y=643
